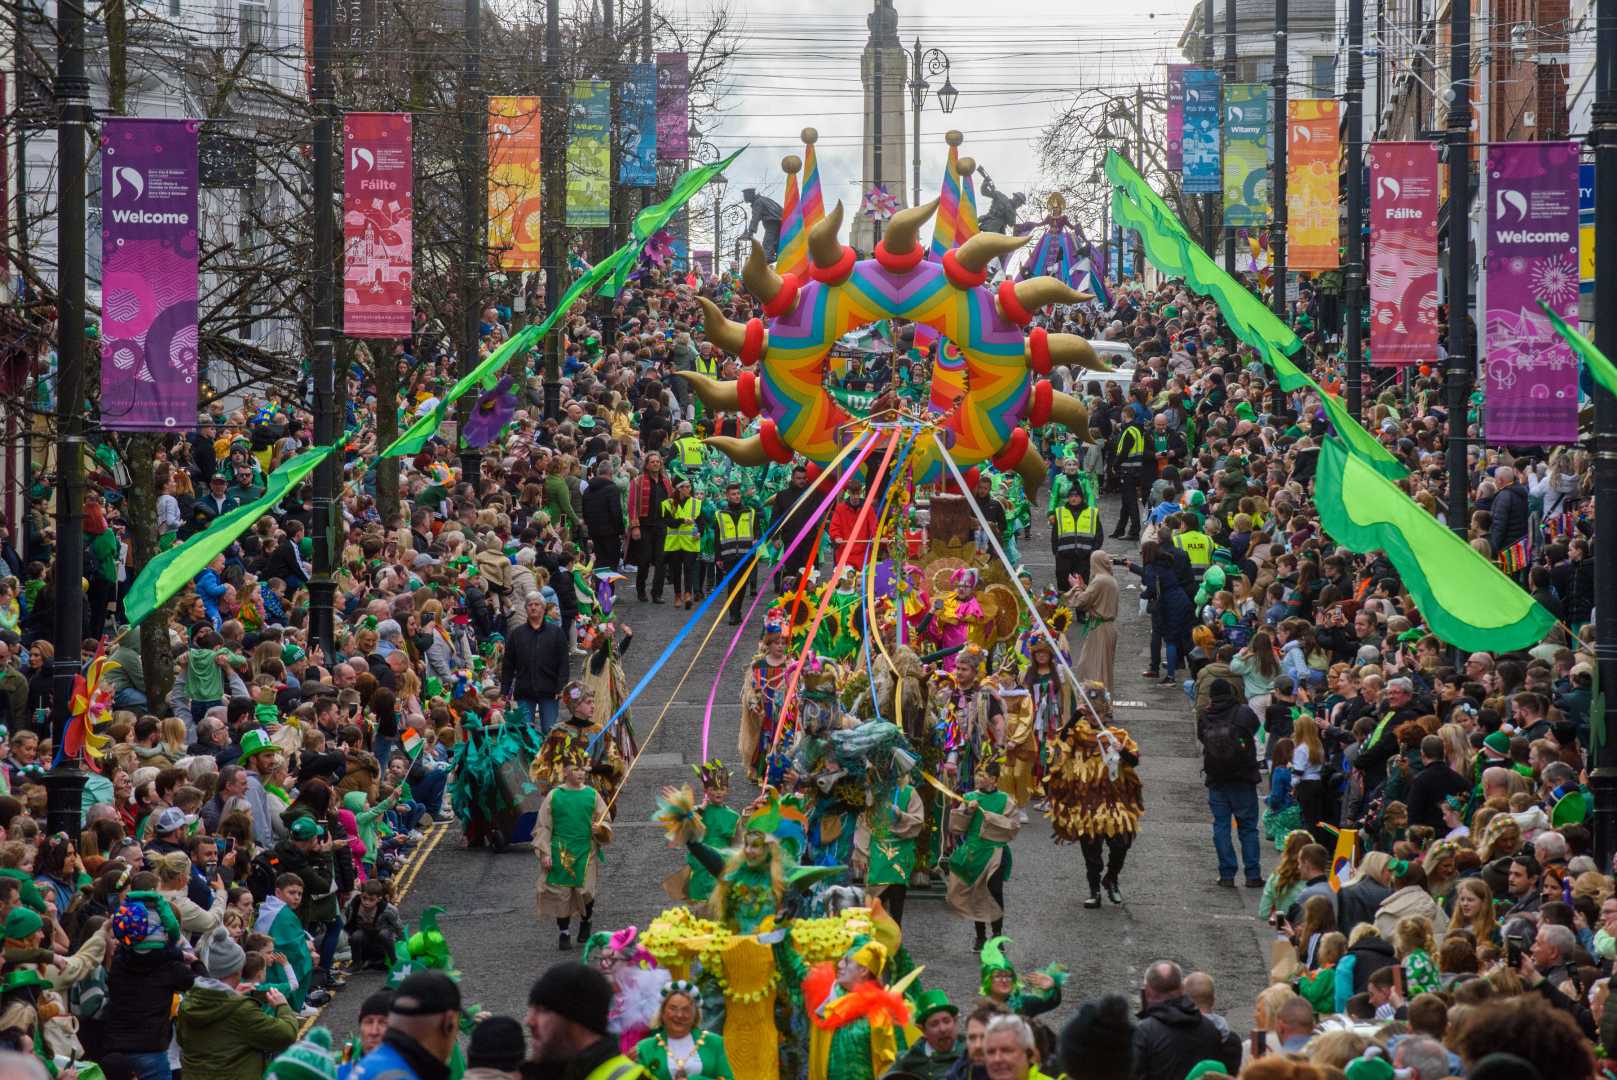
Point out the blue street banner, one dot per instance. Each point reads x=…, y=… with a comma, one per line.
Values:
x=1586, y=229
x=638, y=101
x=1200, y=147
x=1247, y=129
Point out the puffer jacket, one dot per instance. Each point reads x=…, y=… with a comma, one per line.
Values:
x=225, y=1035
x=1173, y=1036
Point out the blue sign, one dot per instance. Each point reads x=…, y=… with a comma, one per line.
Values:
x=638, y=165
x=1586, y=228
x=1203, y=173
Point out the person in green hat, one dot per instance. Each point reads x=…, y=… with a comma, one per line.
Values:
x=940, y=1047
x=309, y=1058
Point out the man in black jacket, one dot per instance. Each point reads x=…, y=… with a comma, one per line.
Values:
x=536, y=665
x=1173, y=1035
x=1398, y=706
x=603, y=517
x=1129, y=451
x=1435, y=782
x=1227, y=731
x=787, y=522
x=1508, y=510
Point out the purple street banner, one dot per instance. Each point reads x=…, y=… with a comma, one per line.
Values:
x=673, y=106
x=1176, y=116
x=149, y=274
x=1403, y=253
x=1532, y=256
x=378, y=207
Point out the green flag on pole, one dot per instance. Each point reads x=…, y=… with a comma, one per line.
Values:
x=426, y=425
x=1465, y=598
x=173, y=569
x=1603, y=370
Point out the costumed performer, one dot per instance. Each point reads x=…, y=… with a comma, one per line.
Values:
x=959, y=617
x=1032, y=994
x=855, y=1020
x=603, y=669
x=885, y=840
x=488, y=774
x=638, y=984
x=1093, y=793
x=677, y=1049
x=940, y=1048
x=840, y=634
x=573, y=826
x=968, y=715
x=1095, y=605
x=1051, y=697
x=1020, y=748
x=693, y=884
x=605, y=765
x=763, y=704
x=986, y=821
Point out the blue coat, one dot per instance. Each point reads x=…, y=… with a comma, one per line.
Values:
x=212, y=590
x=1171, y=610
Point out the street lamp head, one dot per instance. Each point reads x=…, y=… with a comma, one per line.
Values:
x=721, y=182
x=948, y=95
x=695, y=132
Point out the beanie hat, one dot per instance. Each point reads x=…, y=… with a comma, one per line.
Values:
x=378, y=1004
x=21, y=922
x=307, y=1059
x=496, y=1043
x=1099, y=1041
x=137, y=926
x=575, y=992
x=221, y=956
x=1207, y=1067
x=1498, y=742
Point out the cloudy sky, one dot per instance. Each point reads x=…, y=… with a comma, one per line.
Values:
x=1014, y=70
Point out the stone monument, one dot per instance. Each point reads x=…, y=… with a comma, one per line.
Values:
x=883, y=50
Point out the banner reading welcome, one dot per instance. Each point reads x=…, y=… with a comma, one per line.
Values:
x=377, y=208
x=1200, y=137
x=1246, y=155
x=514, y=203
x=589, y=158
x=673, y=106
x=639, y=110
x=1532, y=215
x=149, y=274
x=1312, y=237
x=1403, y=253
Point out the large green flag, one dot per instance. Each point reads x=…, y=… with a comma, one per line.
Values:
x=173, y=569
x=1173, y=252
x=1465, y=598
x=426, y=425
x=1602, y=369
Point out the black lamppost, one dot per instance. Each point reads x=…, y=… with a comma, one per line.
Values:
x=720, y=182
x=923, y=63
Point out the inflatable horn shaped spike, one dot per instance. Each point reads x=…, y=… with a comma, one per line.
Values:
x=903, y=231
x=1068, y=410
x=714, y=395
x=1035, y=293
x=729, y=336
x=825, y=241
x=1033, y=470
x=1071, y=349
x=975, y=254
x=759, y=278
x=748, y=451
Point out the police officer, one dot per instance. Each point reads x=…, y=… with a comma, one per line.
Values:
x=1130, y=453
x=1197, y=545
x=689, y=449
x=738, y=528
x=681, y=543
x=1075, y=532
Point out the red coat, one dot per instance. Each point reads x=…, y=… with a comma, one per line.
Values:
x=841, y=531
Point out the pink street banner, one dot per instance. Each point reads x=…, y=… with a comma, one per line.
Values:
x=1403, y=253
x=149, y=274
x=673, y=106
x=1532, y=214
x=377, y=211
x=1176, y=117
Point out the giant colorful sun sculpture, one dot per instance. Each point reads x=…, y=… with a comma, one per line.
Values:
x=982, y=406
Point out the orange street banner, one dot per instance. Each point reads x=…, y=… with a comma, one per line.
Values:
x=1312, y=163
x=513, y=181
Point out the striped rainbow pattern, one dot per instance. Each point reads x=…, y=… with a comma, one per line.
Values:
x=993, y=372
x=966, y=220
x=945, y=227
x=791, y=256
x=811, y=198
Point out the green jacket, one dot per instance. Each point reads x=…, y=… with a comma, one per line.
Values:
x=715, y=1063
x=224, y=1035
x=921, y=1060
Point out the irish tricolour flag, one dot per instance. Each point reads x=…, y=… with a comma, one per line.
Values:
x=410, y=743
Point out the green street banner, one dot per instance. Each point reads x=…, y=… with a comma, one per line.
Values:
x=589, y=157
x=174, y=569
x=1246, y=155
x=1463, y=596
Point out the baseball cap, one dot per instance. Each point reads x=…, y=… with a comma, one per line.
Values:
x=426, y=993
x=169, y=819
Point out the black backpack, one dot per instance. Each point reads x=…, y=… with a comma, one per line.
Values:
x=1226, y=749
x=261, y=875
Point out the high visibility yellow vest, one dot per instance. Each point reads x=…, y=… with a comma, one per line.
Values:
x=735, y=531
x=1076, y=531
x=1129, y=443
x=1197, y=545
x=690, y=451
x=707, y=365
x=681, y=534
x=616, y=1068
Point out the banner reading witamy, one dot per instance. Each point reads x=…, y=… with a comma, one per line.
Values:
x=1532, y=374
x=589, y=158
x=1246, y=155
x=1200, y=145
x=638, y=102
x=514, y=203
x=377, y=208
x=673, y=106
x=1176, y=116
x=1312, y=163
x=1403, y=253
x=149, y=274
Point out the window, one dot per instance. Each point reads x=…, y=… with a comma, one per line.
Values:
x=253, y=20
x=1322, y=74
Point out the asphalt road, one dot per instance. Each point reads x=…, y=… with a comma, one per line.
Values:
x=1172, y=908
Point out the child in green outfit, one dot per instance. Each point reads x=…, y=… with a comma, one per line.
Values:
x=204, y=670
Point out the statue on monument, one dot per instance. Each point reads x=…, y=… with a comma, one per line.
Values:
x=883, y=24
x=1001, y=214
x=765, y=212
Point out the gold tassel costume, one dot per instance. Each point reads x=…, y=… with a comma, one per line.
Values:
x=1085, y=799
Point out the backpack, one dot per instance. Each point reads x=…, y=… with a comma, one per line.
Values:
x=1226, y=749
x=261, y=875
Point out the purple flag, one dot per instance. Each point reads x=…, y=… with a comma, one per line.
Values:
x=673, y=106
x=1532, y=214
x=149, y=274
x=1176, y=116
